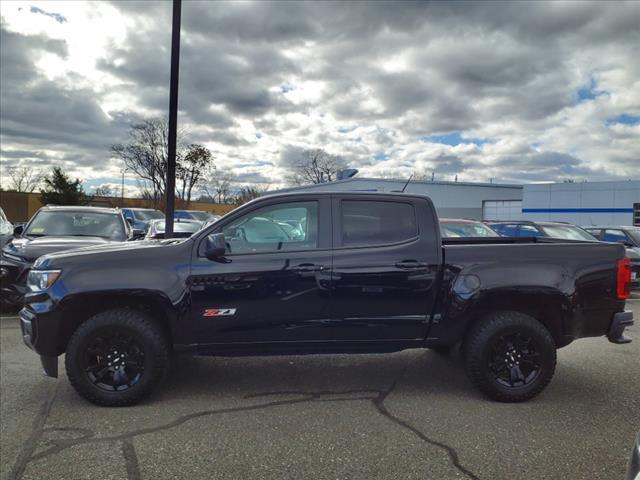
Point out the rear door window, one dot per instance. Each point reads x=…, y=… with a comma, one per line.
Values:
x=611, y=235
x=370, y=223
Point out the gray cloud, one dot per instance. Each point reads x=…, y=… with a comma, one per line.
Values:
x=386, y=74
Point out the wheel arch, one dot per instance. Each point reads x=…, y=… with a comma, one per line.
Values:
x=549, y=308
x=79, y=308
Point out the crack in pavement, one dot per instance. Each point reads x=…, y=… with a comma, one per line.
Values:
x=377, y=397
x=26, y=453
x=378, y=402
x=131, y=459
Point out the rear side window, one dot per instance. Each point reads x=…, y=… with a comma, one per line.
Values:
x=529, y=231
x=377, y=223
x=594, y=231
x=505, y=230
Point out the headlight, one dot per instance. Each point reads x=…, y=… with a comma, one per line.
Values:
x=39, y=280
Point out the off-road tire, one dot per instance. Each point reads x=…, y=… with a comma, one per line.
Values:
x=147, y=334
x=479, y=347
x=444, y=351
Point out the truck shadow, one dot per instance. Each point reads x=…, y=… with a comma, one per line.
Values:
x=418, y=371
x=415, y=372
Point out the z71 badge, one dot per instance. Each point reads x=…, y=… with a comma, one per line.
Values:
x=218, y=312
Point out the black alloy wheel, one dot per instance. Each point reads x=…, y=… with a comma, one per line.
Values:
x=515, y=360
x=114, y=361
x=510, y=356
x=117, y=357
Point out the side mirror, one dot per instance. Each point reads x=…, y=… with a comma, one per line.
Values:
x=17, y=231
x=215, y=246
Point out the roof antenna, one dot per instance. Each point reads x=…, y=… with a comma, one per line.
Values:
x=405, y=185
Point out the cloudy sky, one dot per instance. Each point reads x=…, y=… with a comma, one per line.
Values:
x=514, y=92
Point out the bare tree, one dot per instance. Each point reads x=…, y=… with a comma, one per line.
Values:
x=146, y=154
x=219, y=186
x=104, y=191
x=247, y=193
x=316, y=166
x=190, y=170
x=24, y=179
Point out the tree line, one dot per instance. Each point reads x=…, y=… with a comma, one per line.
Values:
x=145, y=154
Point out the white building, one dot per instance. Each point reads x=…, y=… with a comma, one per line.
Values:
x=587, y=203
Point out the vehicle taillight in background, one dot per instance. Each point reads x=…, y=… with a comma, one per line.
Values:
x=624, y=278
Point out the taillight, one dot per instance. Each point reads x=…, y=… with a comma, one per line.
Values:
x=624, y=278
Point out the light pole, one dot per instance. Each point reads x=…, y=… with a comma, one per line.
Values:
x=125, y=169
x=173, y=119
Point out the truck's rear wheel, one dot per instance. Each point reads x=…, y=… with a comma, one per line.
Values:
x=510, y=356
x=116, y=358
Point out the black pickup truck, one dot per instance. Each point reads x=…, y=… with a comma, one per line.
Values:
x=322, y=273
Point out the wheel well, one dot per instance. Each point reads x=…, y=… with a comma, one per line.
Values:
x=548, y=313
x=81, y=309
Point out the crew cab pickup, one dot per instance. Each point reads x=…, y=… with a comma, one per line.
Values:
x=323, y=273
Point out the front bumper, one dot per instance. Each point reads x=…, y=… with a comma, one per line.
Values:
x=13, y=281
x=49, y=362
x=621, y=320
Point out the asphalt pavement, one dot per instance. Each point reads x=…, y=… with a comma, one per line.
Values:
x=404, y=415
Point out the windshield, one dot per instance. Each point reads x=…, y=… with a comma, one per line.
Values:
x=568, y=232
x=465, y=229
x=77, y=224
x=148, y=214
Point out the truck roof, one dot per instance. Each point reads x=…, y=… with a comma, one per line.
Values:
x=350, y=193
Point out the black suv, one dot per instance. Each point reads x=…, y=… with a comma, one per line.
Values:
x=525, y=228
x=54, y=229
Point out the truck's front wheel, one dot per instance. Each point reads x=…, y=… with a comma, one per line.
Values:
x=116, y=358
x=510, y=356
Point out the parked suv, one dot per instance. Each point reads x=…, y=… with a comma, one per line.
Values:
x=630, y=238
x=54, y=229
x=524, y=228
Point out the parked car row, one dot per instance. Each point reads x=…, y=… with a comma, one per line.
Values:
x=60, y=228
x=142, y=217
x=628, y=236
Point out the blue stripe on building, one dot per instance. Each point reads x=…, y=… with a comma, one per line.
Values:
x=577, y=210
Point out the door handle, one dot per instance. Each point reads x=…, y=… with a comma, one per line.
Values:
x=307, y=267
x=410, y=264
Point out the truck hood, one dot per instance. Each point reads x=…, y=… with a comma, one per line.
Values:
x=102, y=251
x=29, y=249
